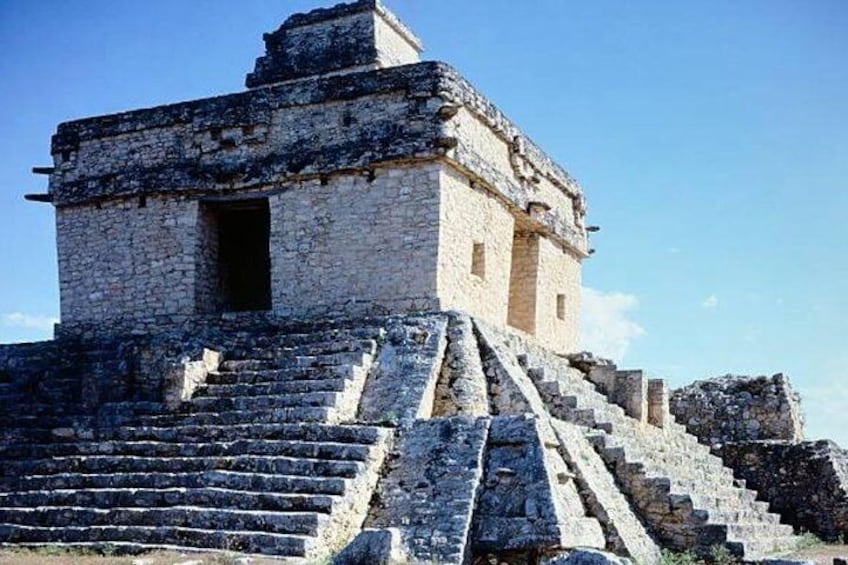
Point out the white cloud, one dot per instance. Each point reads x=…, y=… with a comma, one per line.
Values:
x=23, y=321
x=710, y=302
x=606, y=329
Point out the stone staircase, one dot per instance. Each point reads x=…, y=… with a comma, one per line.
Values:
x=262, y=459
x=685, y=495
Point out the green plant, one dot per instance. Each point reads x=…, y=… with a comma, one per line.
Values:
x=388, y=419
x=720, y=555
x=809, y=540
x=668, y=557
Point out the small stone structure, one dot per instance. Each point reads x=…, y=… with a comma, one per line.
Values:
x=334, y=318
x=738, y=408
x=806, y=482
x=755, y=424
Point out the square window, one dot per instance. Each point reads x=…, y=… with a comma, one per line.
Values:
x=561, y=306
x=478, y=260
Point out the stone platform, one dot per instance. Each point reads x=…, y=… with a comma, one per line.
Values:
x=456, y=440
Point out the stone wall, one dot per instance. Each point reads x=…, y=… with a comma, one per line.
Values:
x=807, y=482
x=118, y=258
x=357, y=245
x=395, y=46
x=736, y=408
x=523, y=281
x=335, y=40
x=559, y=275
x=469, y=217
x=25, y=366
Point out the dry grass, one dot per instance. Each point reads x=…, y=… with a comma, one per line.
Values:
x=822, y=554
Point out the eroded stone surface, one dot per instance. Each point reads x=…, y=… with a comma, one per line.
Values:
x=462, y=387
x=735, y=408
x=430, y=487
x=402, y=387
x=806, y=482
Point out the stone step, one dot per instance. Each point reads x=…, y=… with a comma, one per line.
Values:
x=259, y=482
x=244, y=463
x=289, y=448
x=667, y=441
x=722, y=498
x=273, y=388
x=281, y=375
x=300, y=523
x=755, y=531
x=300, y=431
x=755, y=549
x=651, y=461
x=209, y=497
x=695, y=482
x=207, y=433
x=293, y=339
x=702, y=487
x=267, y=416
x=743, y=515
x=30, y=420
x=298, y=361
x=258, y=402
x=709, y=502
x=289, y=351
x=160, y=536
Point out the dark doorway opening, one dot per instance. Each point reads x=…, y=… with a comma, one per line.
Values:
x=244, y=260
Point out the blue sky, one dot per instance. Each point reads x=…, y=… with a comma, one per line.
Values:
x=711, y=138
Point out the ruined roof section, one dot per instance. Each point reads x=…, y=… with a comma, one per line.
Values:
x=351, y=37
x=287, y=132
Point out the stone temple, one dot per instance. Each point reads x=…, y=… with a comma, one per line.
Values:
x=334, y=317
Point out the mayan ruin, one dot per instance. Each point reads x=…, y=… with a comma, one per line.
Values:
x=334, y=318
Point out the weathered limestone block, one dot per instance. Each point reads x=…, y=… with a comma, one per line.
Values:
x=738, y=408
x=624, y=531
x=345, y=38
x=658, y=411
x=324, y=264
x=603, y=377
x=186, y=379
x=402, y=385
x=631, y=393
x=431, y=485
x=373, y=547
x=510, y=389
x=527, y=501
x=462, y=387
x=589, y=557
x=806, y=483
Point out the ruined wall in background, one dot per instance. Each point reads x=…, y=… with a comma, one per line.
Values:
x=807, y=482
x=736, y=408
